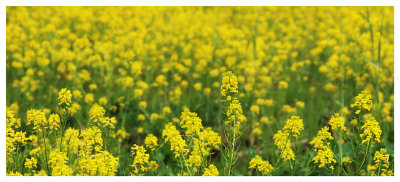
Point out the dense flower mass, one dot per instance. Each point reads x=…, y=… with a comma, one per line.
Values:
x=371, y=130
x=64, y=97
x=363, y=101
x=325, y=155
x=337, y=122
x=262, y=166
x=199, y=91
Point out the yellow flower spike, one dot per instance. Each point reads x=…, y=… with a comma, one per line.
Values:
x=262, y=166
x=337, y=122
x=64, y=97
x=211, y=170
x=362, y=101
x=371, y=129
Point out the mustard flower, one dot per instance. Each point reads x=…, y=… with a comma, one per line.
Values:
x=337, y=122
x=151, y=141
x=211, y=170
x=229, y=84
x=31, y=163
x=141, y=162
x=191, y=123
x=371, y=129
x=54, y=121
x=64, y=97
x=262, y=166
x=58, y=162
x=362, y=101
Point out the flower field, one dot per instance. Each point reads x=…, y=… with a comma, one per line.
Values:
x=200, y=91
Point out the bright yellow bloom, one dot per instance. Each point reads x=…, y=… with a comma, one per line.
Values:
x=294, y=125
x=36, y=117
x=321, y=143
x=54, y=121
x=381, y=160
x=64, y=97
x=363, y=101
x=262, y=166
x=151, y=141
x=337, y=122
x=229, y=84
x=31, y=163
x=191, y=122
x=371, y=129
x=172, y=135
x=211, y=170
x=100, y=164
x=59, y=164
x=141, y=162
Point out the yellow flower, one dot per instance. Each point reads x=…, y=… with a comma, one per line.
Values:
x=191, y=122
x=294, y=125
x=255, y=109
x=64, y=97
x=337, y=122
x=141, y=162
x=381, y=160
x=211, y=170
x=101, y=164
x=283, y=85
x=151, y=141
x=54, y=121
x=31, y=163
x=324, y=155
x=362, y=101
x=172, y=135
x=36, y=117
x=262, y=166
x=58, y=162
x=229, y=84
x=371, y=129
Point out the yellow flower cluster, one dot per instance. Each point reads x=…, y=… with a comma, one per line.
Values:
x=211, y=170
x=64, y=97
x=381, y=166
x=337, y=122
x=324, y=155
x=294, y=126
x=31, y=163
x=262, y=166
x=99, y=164
x=151, y=141
x=54, y=121
x=362, y=101
x=91, y=139
x=37, y=118
x=96, y=114
x=371, y=129
x=229, y=84
x=283, y=138
x=173, y=136
x=59, y=164
x=141, y=162
x=191, y=123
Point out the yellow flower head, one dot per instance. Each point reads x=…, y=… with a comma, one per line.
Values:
x=31, y=163
x=211, y=170
x=262, y=166
x=337, y=122
x=229, y=84
x=151, y=141
x=363, y=101
x=371, y=129
x=64, y=97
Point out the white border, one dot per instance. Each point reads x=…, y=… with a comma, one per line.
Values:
x=5, y=3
